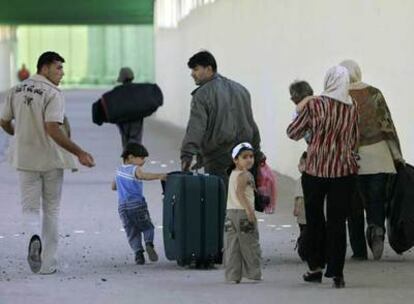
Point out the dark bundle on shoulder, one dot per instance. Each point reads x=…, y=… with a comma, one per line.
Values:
x=129, y=102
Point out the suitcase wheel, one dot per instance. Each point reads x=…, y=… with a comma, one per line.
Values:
x=219, y=259
x=182, y=262
x=204, y=264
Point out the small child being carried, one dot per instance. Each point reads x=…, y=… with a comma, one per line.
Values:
x=300, y=93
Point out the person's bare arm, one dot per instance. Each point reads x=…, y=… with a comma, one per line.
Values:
x=242, y=183
x=55, y=132
x=7, y=126
x=114, y=186
x=149, y=176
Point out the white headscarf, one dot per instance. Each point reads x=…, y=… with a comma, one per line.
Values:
x=336, y=84
x=355, y=75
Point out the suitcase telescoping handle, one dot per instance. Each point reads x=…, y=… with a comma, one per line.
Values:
x=172, y=221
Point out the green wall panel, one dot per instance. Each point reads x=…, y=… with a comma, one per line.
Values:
x=80, y=12
x=93, y=54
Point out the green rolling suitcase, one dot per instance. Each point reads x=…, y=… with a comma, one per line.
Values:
x=193, y=219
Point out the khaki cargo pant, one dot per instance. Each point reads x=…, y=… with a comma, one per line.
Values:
x=242, y=253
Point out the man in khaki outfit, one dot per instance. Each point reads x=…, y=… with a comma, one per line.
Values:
x=33, y=113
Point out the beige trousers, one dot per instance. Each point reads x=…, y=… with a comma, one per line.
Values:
x=242, y=253
x=41, y=191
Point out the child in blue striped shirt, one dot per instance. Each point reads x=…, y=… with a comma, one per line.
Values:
x=132, y=206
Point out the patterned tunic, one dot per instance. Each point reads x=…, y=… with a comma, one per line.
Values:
x=375, y=122
x=334, y=128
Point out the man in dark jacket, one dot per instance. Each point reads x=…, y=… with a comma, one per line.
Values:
x=221, y=117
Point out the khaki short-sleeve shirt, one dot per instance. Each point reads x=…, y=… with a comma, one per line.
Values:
x=31, y=104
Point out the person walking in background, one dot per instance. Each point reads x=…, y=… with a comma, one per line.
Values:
x=221, y=116
x=33, y=113
x=130, y=131
x=379, y=152
x=127, y=105
x=330, y=172
x=301, y=92
x=23, y=73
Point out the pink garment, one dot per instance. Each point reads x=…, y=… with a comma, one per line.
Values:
x=266, y=186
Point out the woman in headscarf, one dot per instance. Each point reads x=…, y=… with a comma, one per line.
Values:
x=330, y=172
x=379, y=151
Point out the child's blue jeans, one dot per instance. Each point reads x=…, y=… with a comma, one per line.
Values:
x=137, y=221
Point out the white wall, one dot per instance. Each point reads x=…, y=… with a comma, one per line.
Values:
x=266, y=44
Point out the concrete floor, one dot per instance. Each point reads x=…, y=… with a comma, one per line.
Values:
x=96, y=264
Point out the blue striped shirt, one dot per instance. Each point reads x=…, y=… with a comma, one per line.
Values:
x=130, y=189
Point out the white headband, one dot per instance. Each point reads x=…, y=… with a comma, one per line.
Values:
x=238, y=148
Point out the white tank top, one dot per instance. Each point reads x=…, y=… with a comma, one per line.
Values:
x=232, y=200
